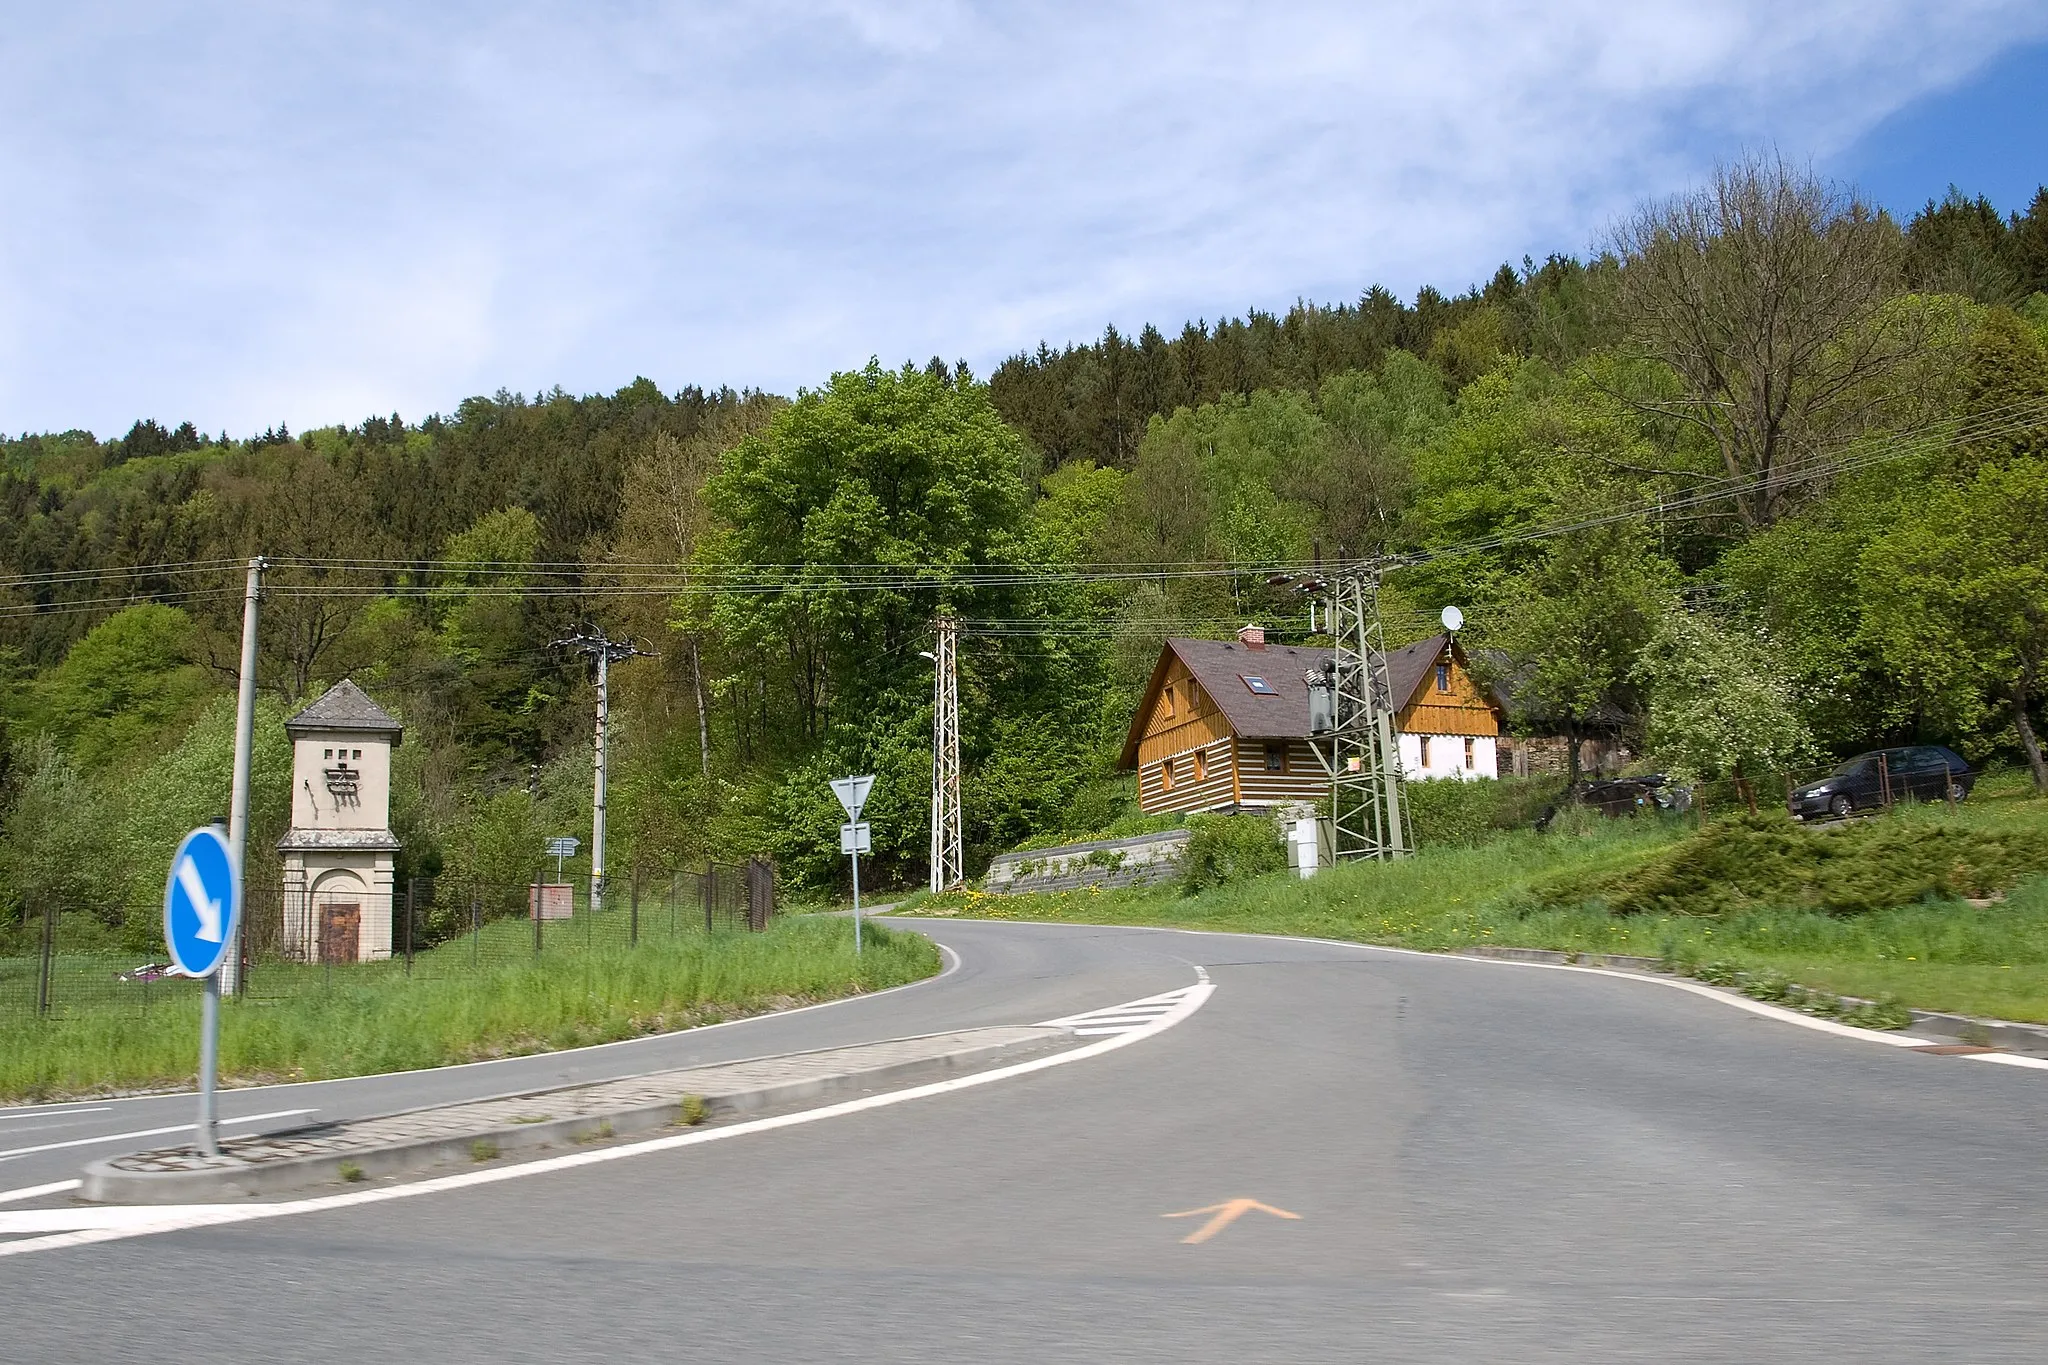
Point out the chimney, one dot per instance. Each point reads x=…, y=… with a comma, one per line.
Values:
x=1252, y=637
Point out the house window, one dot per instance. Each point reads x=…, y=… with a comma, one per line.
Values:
x=1169, y=703
x=1443, y=677
x=359, y=753
x=1468, y=751
x=1276, y=758
x=1201, y=765
x=1259, y=686
x=327, y=753
x=1166, y=775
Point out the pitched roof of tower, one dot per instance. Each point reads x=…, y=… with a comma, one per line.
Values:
x=343, y=706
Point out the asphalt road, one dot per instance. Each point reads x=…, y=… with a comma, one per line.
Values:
x=1488, y=1163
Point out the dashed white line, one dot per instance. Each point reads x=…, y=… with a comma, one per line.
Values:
x=12, y=1153
x=7, y=1117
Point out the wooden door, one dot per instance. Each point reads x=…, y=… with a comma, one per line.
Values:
x=341, y=929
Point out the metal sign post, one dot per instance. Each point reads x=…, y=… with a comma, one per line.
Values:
x=202, y=910
x=853, y=836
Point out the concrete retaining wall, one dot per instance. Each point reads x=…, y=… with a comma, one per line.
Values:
x=1143, y=860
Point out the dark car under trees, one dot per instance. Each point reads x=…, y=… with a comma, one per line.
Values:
x=1920, y=772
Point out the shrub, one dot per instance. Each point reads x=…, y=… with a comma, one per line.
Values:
x=1764, y=860
x=1230, y=848
x=1466, y=813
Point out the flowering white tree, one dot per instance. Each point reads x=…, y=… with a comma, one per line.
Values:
x=1721, y=702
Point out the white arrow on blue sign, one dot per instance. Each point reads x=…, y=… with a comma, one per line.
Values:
x=202, y=903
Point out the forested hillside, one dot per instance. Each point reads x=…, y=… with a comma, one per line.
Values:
x=1768, y=478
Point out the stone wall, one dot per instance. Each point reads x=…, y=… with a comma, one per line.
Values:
x=1142, y=860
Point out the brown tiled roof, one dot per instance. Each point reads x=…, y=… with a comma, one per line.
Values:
x=1221, y=667
x=343, y=706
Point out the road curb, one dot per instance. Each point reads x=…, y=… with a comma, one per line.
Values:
x=2003, y=1034
x=179, y=1176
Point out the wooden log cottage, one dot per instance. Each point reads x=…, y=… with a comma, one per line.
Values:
x=1224, y=724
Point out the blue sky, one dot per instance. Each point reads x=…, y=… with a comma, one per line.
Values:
x=315, y=212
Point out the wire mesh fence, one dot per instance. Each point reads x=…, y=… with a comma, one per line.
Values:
x=77, y=962
x=1924, y=775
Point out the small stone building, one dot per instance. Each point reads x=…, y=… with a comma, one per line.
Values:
x=339, y=852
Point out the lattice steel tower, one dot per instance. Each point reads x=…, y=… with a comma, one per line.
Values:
x=948, y=866
x=1368, y=815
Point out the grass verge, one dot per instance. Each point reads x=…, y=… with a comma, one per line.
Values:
x=385, y=1022
x=1933, y=952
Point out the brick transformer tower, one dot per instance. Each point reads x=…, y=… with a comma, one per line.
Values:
x=339, y=852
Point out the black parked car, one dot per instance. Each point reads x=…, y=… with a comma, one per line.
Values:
x=1924, y=772
x=1622, y=796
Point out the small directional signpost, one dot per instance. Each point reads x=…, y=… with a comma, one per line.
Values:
x=560, y=847
x=202, y=909
x=853, y=835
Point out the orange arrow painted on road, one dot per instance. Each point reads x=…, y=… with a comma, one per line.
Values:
x=1228, y=1212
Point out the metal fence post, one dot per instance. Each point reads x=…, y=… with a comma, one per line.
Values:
x=710, y=890
x=675, y=881
x=475, y=929
x=1948, y=785
x=539, y=899
x=411, y=890
x=633, y=933
x=49, y=944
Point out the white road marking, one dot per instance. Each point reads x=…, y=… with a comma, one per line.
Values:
x=1777, y=1012
x=59, y=1228
x=8, y=1116
x=37, y=1191
x=13, y=1153
x=1116, y=1019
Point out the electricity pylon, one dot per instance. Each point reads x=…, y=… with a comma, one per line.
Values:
x=1368, y=816
x=606, y=652
x=947, y=864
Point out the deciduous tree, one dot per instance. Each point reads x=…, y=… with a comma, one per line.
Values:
x=1958, y=601
x=1764, y=292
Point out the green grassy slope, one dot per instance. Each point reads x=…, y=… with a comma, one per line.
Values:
x=1905, y=937
x=380, y=1020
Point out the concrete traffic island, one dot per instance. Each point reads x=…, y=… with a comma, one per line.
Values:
x=481, y=1130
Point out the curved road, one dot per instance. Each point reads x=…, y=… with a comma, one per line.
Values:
x=1488, y=1162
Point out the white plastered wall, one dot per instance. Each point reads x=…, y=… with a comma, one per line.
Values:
x=367, y=756
x=1447, y=757
x=314, y=877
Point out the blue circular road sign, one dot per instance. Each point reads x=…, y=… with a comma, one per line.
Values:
x=202, y=903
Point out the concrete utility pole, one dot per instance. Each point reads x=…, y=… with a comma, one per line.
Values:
x=947, y=861
x=230, y=974
x=1368, y=817
x=605, y=651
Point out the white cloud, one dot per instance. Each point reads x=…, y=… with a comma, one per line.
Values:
x=314, y=214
